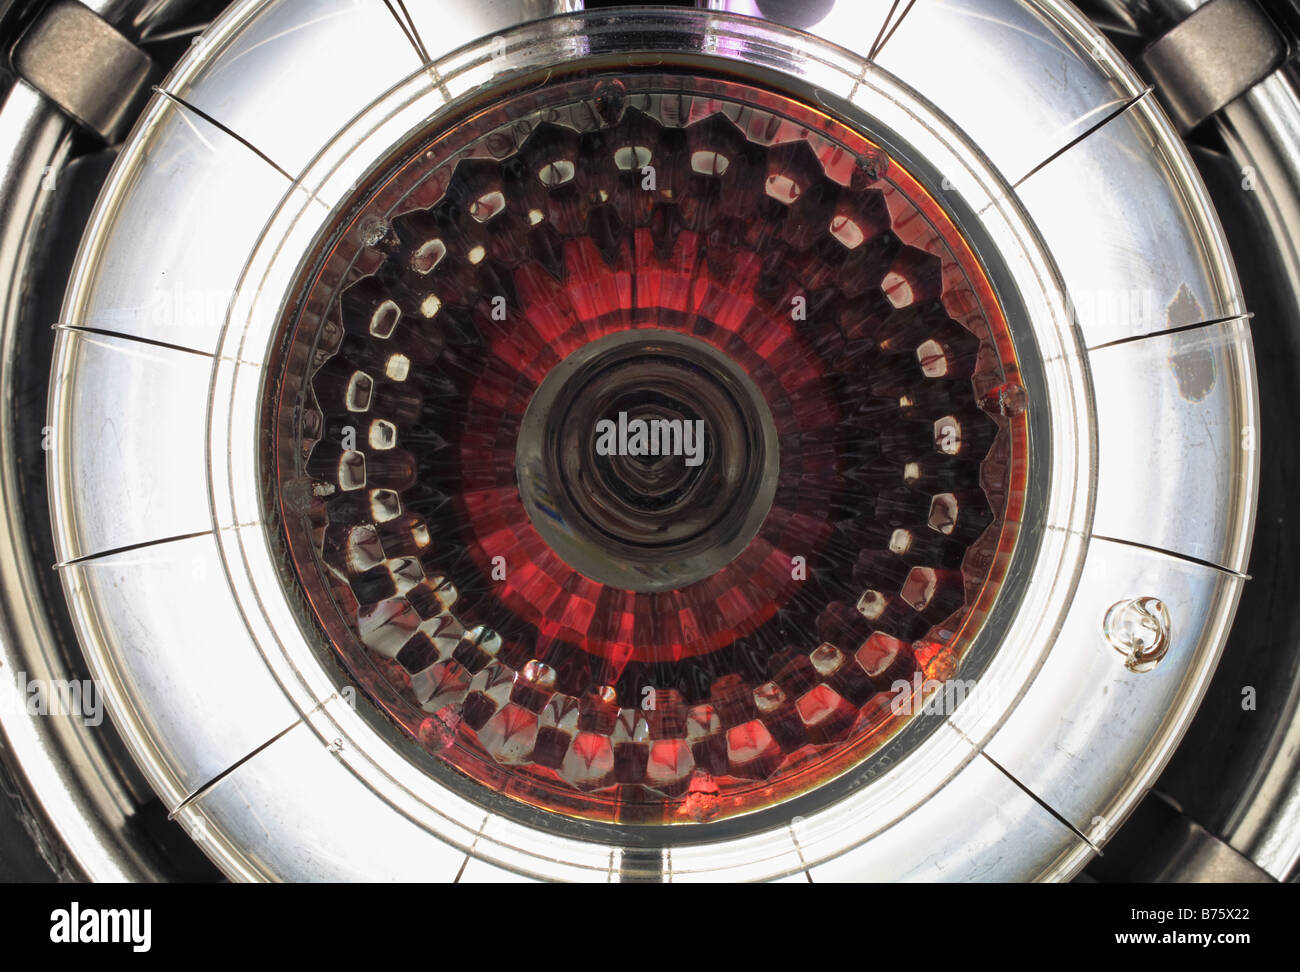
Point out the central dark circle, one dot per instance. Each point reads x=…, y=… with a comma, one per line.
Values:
x=651, y=482
x=647, y=460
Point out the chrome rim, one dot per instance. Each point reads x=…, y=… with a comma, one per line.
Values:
x=1112, y=529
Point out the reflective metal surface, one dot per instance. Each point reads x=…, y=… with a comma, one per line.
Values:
x=79, y=799
x=237, y=167
x=1129, y=188
x=1017, y=77
x=86, y=813
x=1249, y=797
x=168, y=638
x=1264, y=126
x=1166, y=480
x=176, y=291
x=124, y=512
x=764, y=852
x=1086, y=710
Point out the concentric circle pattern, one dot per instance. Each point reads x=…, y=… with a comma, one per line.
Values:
x=699, y=485
x=768, y=267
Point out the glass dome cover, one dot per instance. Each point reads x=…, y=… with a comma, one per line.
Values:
x=651, y=636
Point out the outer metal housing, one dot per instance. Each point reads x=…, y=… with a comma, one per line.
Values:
x=1261, y=129
x=155, y=492
x=79, y=802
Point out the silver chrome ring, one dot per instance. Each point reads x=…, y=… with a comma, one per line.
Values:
x=1121, y=536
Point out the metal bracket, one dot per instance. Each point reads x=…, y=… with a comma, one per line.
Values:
x=84, y=66
x=1218, y=53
